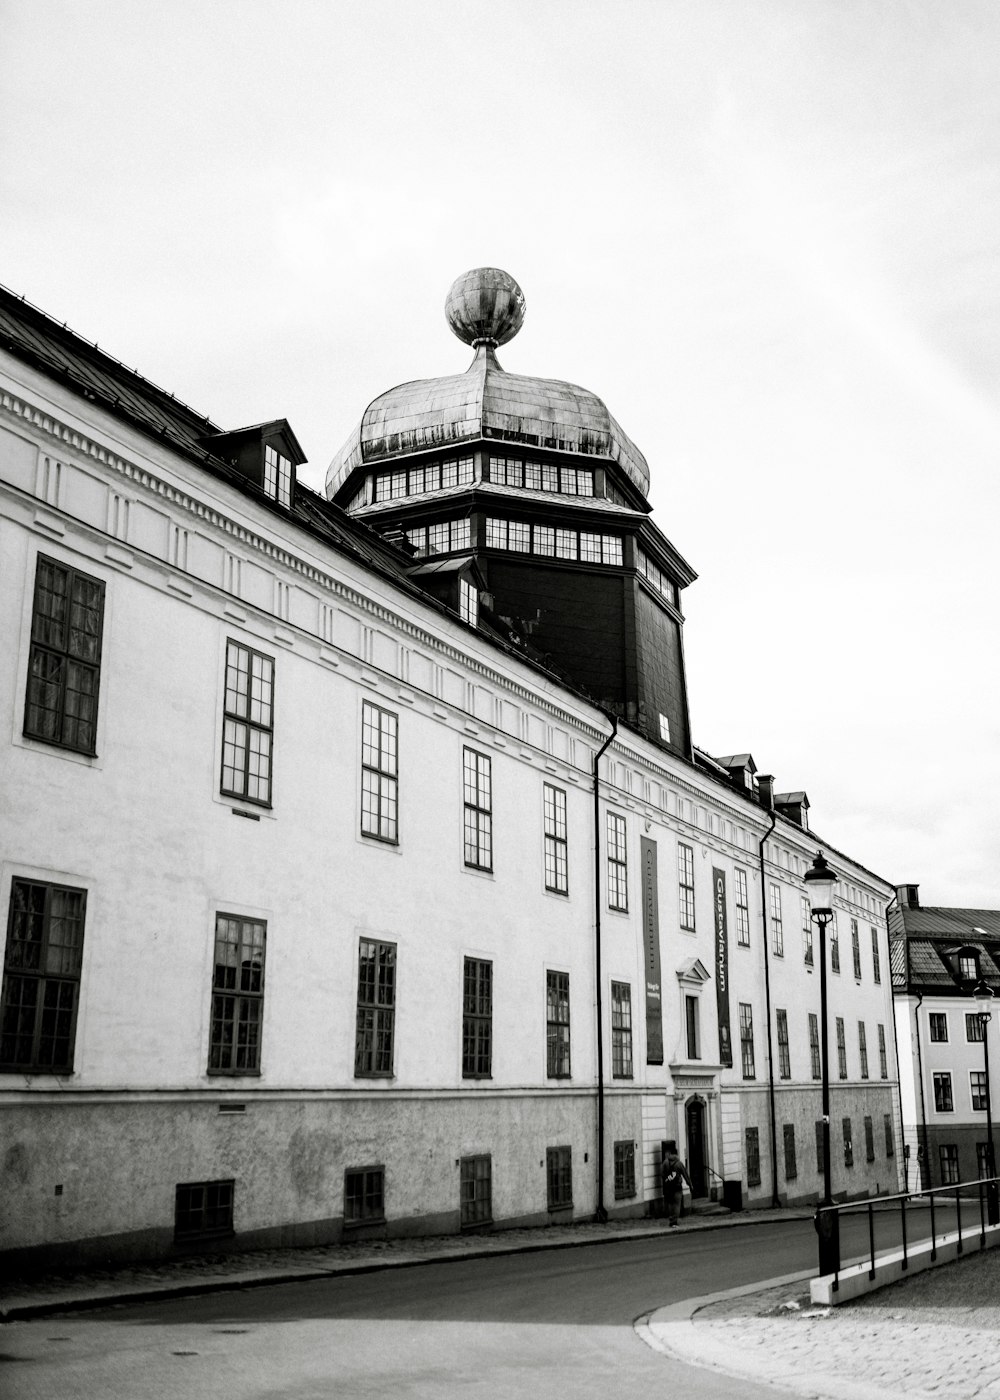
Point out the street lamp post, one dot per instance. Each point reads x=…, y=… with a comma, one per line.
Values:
x=820, y=882
x=984, y=999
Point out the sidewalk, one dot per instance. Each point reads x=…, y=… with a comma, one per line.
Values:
x=935, y=1334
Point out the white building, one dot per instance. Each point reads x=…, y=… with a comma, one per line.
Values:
x=298, y=850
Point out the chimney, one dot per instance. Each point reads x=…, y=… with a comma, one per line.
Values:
x=765, y=790
x=907, y=896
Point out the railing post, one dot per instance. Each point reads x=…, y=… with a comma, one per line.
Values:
x=902, y=1221
x=933, y=1230
x=958, y=1217
x=871, y=1238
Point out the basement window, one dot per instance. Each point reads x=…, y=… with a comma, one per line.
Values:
x=203, y=1210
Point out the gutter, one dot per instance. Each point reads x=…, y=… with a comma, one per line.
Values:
x=600, y=1214
x=775, y=1201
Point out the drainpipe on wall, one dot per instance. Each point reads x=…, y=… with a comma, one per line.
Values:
x=923, y=1106
x=600, y=1214
x=765, y=783
x=895, y=1031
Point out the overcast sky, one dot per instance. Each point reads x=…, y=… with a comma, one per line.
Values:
x=766, y=234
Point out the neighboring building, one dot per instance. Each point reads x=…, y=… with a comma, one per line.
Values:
x=938, y=955
x=298, y=841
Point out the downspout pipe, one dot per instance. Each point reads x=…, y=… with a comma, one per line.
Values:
x=769, y=793
x=600, y=1214
x=895, y=1030
x=925, y=1166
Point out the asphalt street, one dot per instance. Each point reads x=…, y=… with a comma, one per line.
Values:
x=547, y=1323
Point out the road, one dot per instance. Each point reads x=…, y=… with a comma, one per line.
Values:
x=549, y=1323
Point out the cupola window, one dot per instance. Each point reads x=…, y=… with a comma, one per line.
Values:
x=541, y=476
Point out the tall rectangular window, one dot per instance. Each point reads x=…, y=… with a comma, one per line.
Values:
x=692, y=1027
x=834, y=945
x=624, y=1170
x=556, y=847
x=376, y=1019
x=856, y=948
x=746, y=1040
x=869, y=1139
x=889, y=1142
x=64, y=663
x=883, y=1064
x=943, y=1100
x=863, y=1049
x=557, y=1025
x=621, y=1030
x=237, y=995
x=777, y=932
x=277, y=476
x=617, y=863
x=468, y=602
x=477, y=1019
x=876, y=959
x=949, y=1164
x=248, y=724
x=364, y=1195
x=784, y=1053
x=559, y=1177
x=815, y=1062
x=752, y=1139
x=685, y=886
x=379, y=773
x=791, y=1166
x=973, y=1027
x=848, y=1144
x=841, y=1049
x=478, y=802
x=807, y=931
x=41, y=978
x=982, y=1160
x=977, y=1087
x=742, y=909
x=476, y=1190
x=938, y=1025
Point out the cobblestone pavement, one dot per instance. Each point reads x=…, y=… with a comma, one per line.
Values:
x=52, y=1292
x=936, y=1334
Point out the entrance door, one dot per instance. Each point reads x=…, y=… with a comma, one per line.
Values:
x=695, y=1121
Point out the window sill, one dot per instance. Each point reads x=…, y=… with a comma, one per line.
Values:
x=233, y=1073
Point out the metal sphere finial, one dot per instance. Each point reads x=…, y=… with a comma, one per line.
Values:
x=485, y=306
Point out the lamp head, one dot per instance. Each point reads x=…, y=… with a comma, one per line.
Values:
x=820, y=884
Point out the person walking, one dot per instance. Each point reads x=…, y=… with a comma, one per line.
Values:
x=673, y=1174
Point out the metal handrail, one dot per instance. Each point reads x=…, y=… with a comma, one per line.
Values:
x=985, y=1188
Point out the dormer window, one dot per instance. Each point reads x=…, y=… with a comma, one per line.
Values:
x=468, y=603
x=277, y=476
x=967, y=968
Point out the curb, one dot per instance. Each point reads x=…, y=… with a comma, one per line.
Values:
x=18, y=1312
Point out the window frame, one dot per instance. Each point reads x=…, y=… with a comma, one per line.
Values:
x=883, y=1057
x=616, y=840
x=223, y=1055
x=477, y=1018
x=848, y=1142
x=64, y=658
x=808, y=946
x=784, y=1049
x=15, y=970
x=559, y=1178
x=876, y=956
x=220, y=1228
x=834, y=945
x=477, y=809
x=558, y=1062
x=841, y=1048
x=973, y=1028
x=777, y=923
x=977, y=1090
x=233, y=718
x=380, y=773
x=856, y=949
x=869, y=1138
x=685, y=888
x=948, y=1154
x=863, y=1049
x=748, y=1061
x=621, y=1031
x=943, y=1091
x=937, y=1027
x=475, y=1205
x=751, y=1148
x=555, y=842
x=372, y=1203
x=742, y=897
x=375, y=1020
x=692, y=1026
x=623, y=1159
x=788, y=1142
x=815, y=1053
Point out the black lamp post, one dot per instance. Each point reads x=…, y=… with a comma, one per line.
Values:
x=984, y=1000
x=820, y=882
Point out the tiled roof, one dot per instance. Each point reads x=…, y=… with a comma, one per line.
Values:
x=964, y=923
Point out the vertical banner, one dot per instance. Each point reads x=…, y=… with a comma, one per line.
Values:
x=651, y=939
x=722, y=966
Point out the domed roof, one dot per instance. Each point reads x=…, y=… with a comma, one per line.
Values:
x=485, y=308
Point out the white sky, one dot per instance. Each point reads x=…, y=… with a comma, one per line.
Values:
x=765, y=233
